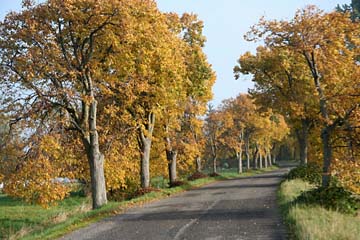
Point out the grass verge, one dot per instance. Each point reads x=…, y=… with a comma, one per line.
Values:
x=314, y=222
x=25, y=221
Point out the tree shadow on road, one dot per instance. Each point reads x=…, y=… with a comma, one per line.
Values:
x=226, y=210
x=263, y=185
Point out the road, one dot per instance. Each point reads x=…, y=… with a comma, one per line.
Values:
x=243, y=208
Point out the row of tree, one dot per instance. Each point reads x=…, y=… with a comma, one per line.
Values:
x=94, y=90
x=308, y=70
x=238, y=126
x=88, y=86
x=114, y=92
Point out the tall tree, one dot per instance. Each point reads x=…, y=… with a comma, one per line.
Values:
x=196, y=92
x=321, y=40
x=71, y=60
x=50, y=53
x=153, y=85
x=279, y=75
x=201, y=79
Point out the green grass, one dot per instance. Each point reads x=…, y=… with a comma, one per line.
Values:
x=25, y=221
x=233, y=174
x=314, y=222
x=18, y=218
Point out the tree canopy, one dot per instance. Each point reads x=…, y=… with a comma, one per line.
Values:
x=308, y=71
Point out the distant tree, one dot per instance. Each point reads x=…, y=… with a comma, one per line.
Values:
x=353, y=8
x=280, y=76
x=240, y=112
x=216, y=122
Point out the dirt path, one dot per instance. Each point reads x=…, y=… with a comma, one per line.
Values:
x=233, y=209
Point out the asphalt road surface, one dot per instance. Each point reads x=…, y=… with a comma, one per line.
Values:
x=242, y=208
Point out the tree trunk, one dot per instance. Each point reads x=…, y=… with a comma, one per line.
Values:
x=350, y=142
x=247, y=152
x=260, y=160
x=214, y=164
x=273, y=153
x=198, y=163
x=255, y=158
x=302, y=136
x=171, y=158
x=327, y=151
x=145, y=148
x=239, y=153
x=214, y=153
x=325, y=133
x=303, y=151
x=96, y=160
x=145, y=163
x=266, y=159
x=98, y=187
x=274, y=158
x=171, y=155
x=269, y=158
x=294, y=153
x=239, y=159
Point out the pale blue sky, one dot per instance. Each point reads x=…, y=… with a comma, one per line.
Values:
x=225, y=24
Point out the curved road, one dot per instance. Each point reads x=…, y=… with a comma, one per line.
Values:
x=243, y=208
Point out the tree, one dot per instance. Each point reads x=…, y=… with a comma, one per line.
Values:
x=61, y=58
x=35, y=179
x=238, y=125
x=182, y=124
x=201, y=77
x=51, y=55
x=321, y=40
x=151, y=86
x=279, y=75
x=11, y=146
x=240, y=111
x=215, y=124
x=353, y=8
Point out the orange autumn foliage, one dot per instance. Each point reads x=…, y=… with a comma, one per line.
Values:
x=348, y=173
x=34, y=183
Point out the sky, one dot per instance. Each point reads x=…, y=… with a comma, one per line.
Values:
x=225, y=23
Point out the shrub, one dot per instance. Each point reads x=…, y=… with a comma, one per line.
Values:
x=309, y=172
x=214, y=174
x=332, y=197
x=197, y=175
x=34, y=183
x=118, y=195
x=132, y=190
x=177, y=183
x=142, y=191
